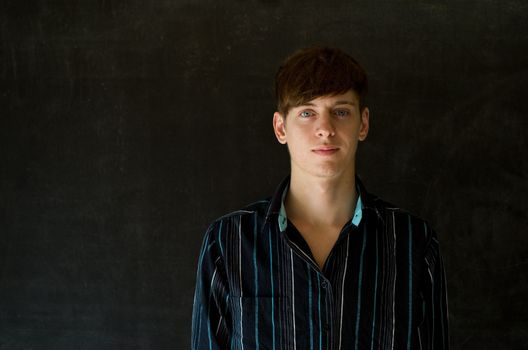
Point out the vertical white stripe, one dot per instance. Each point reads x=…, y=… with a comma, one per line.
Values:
x=240, y=280
x=213, y=278
x=394, y=283
x=385, y=273
x=432, y=305
x=218, y=327
x=343, y=292
x=410, y=291
x=293, y=300
x=419, y=337
x=445, y=299
x=209, y=305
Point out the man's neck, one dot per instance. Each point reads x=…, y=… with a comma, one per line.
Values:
x=321, y=202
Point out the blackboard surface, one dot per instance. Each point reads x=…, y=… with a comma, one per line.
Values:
x=127, y=126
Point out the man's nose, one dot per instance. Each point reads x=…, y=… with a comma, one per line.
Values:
x=325, y=126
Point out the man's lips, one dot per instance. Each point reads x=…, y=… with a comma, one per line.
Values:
x=325, y=150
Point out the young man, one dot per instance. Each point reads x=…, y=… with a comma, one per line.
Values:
x=323, y=264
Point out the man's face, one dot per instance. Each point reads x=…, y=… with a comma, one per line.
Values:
x=322, y=135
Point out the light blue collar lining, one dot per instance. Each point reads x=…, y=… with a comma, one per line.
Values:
x=283, y=219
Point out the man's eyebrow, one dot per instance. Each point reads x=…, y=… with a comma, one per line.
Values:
x=345, y=102
x=341, y=102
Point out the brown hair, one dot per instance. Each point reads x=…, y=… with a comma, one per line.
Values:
x=317, y=71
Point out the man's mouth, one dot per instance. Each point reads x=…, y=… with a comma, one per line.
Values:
x=325, y=150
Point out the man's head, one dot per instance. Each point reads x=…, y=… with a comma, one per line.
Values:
x=318, y=71
x=321, y=112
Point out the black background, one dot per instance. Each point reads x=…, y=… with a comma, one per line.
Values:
x=127, y=126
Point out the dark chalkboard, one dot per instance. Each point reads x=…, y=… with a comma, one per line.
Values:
x=127, y=126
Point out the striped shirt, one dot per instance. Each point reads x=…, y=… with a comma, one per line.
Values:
x=258, y=285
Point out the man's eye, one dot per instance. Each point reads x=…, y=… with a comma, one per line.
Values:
x=342, y=113
x=305, y=114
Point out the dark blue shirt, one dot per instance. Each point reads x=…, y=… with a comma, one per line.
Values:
x=259, y=287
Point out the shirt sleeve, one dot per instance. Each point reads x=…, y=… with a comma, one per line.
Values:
x=434, y=329
x=211, y=318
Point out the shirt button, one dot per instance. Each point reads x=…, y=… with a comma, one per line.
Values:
x=324, y=284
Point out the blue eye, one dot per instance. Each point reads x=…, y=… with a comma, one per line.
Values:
x=305, y=114
x=342, y=113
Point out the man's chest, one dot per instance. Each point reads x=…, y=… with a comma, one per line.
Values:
x=318, y=242
x=276, y=284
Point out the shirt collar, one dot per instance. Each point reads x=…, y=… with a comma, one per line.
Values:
x=277, y=203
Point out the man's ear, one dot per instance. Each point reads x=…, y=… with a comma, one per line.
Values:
x=279, y=127
x=364, y=127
